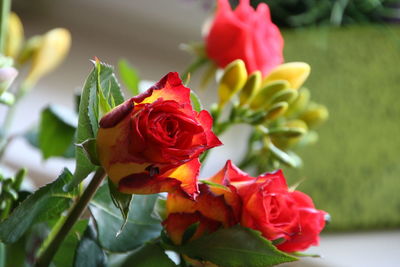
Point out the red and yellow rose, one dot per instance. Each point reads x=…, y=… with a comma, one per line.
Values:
x=151, y=143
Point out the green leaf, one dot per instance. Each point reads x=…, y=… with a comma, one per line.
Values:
x=121, y=201
x=140, y=226
x=32, y=137
x=89, y=253
x=196, y=103
x=66, y=252
x=46, y=203
x=149, y=255
x=235, y=247
x=88, y=114
x=129, y=76
x=56, y=131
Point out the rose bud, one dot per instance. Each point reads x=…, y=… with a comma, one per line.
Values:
x=245, y=34
x=151, y=142
x=278, y=213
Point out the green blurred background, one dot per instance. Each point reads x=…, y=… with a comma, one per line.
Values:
x=353, y=172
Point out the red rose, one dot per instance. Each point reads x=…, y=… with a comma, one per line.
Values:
x=151, y=142
x=270, y=207
x=245, y=34
x=218, y=205
x=312, y=222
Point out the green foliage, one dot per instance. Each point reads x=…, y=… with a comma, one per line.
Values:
x=45, y=204
x=56, y=131
x=353, y=172
x=88, y=252
x=129, y=76
x=66, y=253
x=32, y=137
x=235, y=247
x=300, y=13
x=101, y=79
x=139, y=228
x=149, y=255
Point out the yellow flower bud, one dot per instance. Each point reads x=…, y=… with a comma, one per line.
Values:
x=276, y=111
x=299, y=103
x=287, y=95
x=15, y=36
x=315, y=115
x=295, y=73
x=285, y=142
x=52, y=50
x=251, y=87
x=233, y=79
x=31, y=46
x=264, y=96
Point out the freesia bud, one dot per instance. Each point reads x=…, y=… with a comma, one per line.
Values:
x=233, y=79
x=15, y=36
x=31, y=46
x=300, y=102
x=296, y=73
x=263, y=98
x=315, y=115
x=253, y=84
x=276, y=111
x=52, y=51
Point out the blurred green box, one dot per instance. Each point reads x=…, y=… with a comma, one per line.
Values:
x=353, y=172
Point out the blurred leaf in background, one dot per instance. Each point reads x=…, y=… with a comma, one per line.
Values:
x=301, y=13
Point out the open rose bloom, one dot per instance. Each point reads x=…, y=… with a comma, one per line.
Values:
x=277, y=212
x=151, y=143
x=261, y=203
x=244, y=33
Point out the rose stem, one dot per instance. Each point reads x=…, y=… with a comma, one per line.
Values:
x=44, y=258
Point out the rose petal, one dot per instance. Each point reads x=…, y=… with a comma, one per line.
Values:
x=170, y=87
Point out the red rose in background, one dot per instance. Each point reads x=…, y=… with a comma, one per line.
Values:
x=151, y=142
x=245, y=34
x=215, y=207
x=270, y=207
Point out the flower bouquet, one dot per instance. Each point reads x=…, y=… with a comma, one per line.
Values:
x=135, y=197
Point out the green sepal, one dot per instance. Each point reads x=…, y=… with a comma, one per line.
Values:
x=89, y=147
x=196, y=103
x=100, y=78
x=121, y=201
